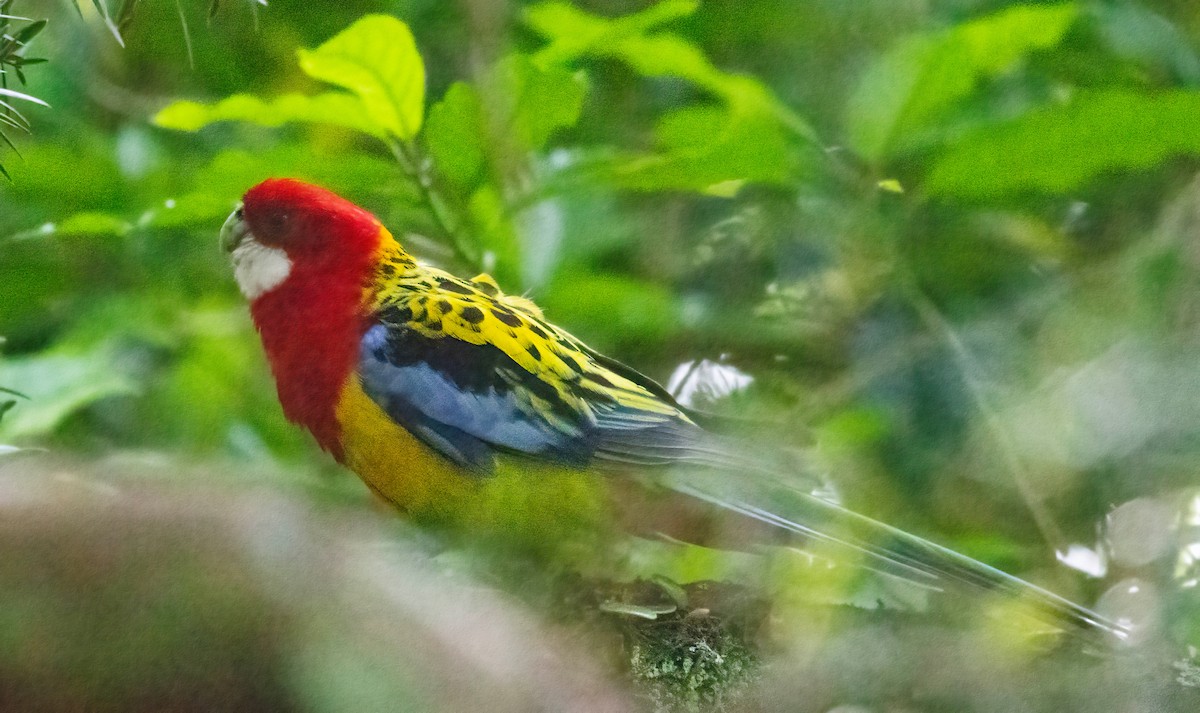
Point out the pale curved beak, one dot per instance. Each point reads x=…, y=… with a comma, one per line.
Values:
x=234, y=231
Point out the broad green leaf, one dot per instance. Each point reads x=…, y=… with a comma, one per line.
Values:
x=691, y=128
x=910, y=85
x=1058, y=149
x=58, y=385
x=376, y=58
x=454, y=134
x=334, y=108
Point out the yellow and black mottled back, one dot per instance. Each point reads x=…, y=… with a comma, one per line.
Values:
x=472, y=371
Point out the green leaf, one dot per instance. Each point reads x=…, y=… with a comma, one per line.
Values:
x=376, y=58
x=1138, y=33
x=194, y=208
x=28, y=32
x=454, y=134
x=707, y=147
x=611, y=307
x=92, y=224
x=334, y=108
x=58, y=385
x=916, y=81
x=574, y=33
x=494, y=231
x=1058, y=149
x=538, y=100
x=527, y=105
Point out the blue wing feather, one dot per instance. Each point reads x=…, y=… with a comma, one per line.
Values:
x=455, y=397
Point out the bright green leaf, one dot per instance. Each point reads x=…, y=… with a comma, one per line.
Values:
x=92, y=224
x=1058, y=149
x=454, y=134
x=330, y=108
x=921, y=77
x=691, y=128
x=376, y=58
x=525, y=104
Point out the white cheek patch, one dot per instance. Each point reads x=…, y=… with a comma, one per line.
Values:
x=259, y=269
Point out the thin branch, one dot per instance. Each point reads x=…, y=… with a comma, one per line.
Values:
x=967, y=366
x=414, y=165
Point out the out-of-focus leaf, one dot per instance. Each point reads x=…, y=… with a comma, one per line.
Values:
x=58, y=385
x=922, y=76
x=334, y=108
x=574, y=34
x=1059, y=148
x=232, y=171
x=376, y=58
x=193, y=208
x=1136, y=32
x=494, y=231
x=707, y=147
x=453, y=134
x=537, y=100
x=611, y=308
x=91, y=223
x=525, y=103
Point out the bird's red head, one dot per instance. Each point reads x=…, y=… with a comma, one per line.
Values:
x=285, y=226
x=303, y=256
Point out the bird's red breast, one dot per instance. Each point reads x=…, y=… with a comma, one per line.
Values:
x=312, y=321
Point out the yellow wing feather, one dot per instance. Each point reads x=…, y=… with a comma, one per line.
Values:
x=439, y=305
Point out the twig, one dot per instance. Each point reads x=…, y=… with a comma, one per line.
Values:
x=1042, y=518
x=414, y=165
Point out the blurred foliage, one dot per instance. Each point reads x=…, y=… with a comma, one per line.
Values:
x=952, y=243
x=15, y=35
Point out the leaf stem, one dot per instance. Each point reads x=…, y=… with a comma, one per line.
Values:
x=417, y=168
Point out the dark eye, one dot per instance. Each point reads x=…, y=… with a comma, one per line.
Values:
x=272, y=225
x=277, y=222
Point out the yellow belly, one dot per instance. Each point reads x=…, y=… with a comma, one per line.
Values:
x=534, y=503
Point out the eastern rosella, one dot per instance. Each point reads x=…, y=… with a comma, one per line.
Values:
x=418, y=381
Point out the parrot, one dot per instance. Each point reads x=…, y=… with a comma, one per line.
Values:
x=428, y=385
